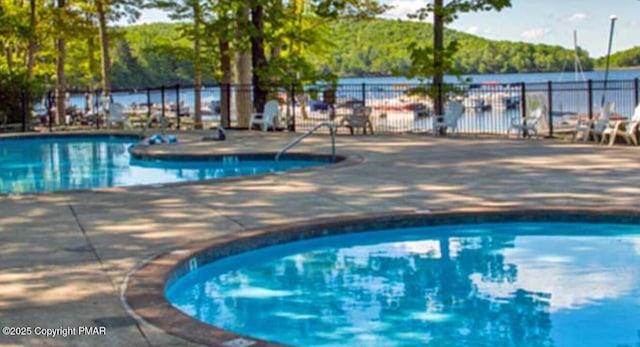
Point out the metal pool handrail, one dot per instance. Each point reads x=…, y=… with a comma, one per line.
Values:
x=297, y=140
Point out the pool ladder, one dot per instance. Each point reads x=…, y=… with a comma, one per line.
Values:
x=298, y=139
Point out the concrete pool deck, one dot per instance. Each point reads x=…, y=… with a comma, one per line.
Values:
x=65, y=256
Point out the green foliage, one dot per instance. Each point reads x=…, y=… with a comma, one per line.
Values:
x=451, y=10
x=348, y=8
x=380, y=47
x=12, y=85
x=627, y=58
x=153, y=55
x=422, y=60
x=156, y=54
x=445, y=12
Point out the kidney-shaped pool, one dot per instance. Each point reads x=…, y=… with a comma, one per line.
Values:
x=512, y=283
x=55, y=163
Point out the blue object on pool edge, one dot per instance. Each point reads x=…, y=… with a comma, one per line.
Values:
x=157, y=138
x=509, y=284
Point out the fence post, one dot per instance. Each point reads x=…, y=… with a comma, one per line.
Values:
x=23, y=98
x=523, y=107
x=440, y=114
x=97, y=103
x=292, y=123
x=550, y=109
x=590, y=98
x=49, y=105
x=178, y=106
x=364, y=94
x=162, y=115
x=227, y=116
x=148, y=105
x=635, y=92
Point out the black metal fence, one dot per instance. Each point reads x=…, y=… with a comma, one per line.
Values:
x=490, y=108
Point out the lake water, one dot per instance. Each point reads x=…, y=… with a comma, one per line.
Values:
x=541, y=77
x=213, y=93
x=569, y=97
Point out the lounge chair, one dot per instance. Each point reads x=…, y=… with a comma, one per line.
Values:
x=450, y=119
x=624, y=128
x=116, y=116
x=268, y=118
x=528, y=125
x=596, y=126
x=359, y=118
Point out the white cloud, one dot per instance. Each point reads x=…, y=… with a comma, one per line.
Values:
x=153, y=16
x=473, y=30
x=576, y=17
x=535, y=33
x=401, y=8
x=570, y=261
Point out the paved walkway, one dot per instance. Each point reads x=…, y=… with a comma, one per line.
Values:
x=64, y=256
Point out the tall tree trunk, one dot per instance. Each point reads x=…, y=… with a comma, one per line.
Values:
x=33, y=45
x=91, y=57
x=61, y=90
x=60, y=76
x=438, y=51
x=258, y=59
x=89, y=98
x=295, y=50
x=197, y=68
x=9, y=55
x=225, y=95
x=101, y=8
x=243, y=65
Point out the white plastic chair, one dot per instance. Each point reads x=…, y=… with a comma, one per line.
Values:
x=450, y=119
x=360, y=118
x=529, y=124
x=624, y=128
x=116, y=116
x=268, y=118
x=596, y=126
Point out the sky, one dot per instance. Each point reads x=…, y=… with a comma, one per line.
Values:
x=537, y=21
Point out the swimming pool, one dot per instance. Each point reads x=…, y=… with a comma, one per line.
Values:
x=507, y=279
x=57, y=163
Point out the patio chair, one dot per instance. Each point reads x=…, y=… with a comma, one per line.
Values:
x=116, y=116
x=596, y=126
x=450, y=119
x=359, y=118
x=528, y=125
x=268, y=118
x=626, y=129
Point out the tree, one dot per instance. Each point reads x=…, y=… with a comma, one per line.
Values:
x=191, y=13
x=258, y=57
x=106, y=11
x=243, y=66
x=61, y=86
x=446, y=13
x=275, y=15
x=225, y=20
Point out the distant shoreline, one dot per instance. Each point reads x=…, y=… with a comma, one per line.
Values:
x=623, y=68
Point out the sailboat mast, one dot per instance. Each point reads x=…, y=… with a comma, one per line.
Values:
x=577, y=65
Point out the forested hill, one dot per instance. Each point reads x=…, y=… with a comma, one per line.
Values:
x=623, y=59
x=154, y=54
x=379, y=47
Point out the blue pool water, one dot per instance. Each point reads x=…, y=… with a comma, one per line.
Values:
x=68, y=163
x=511, y=284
